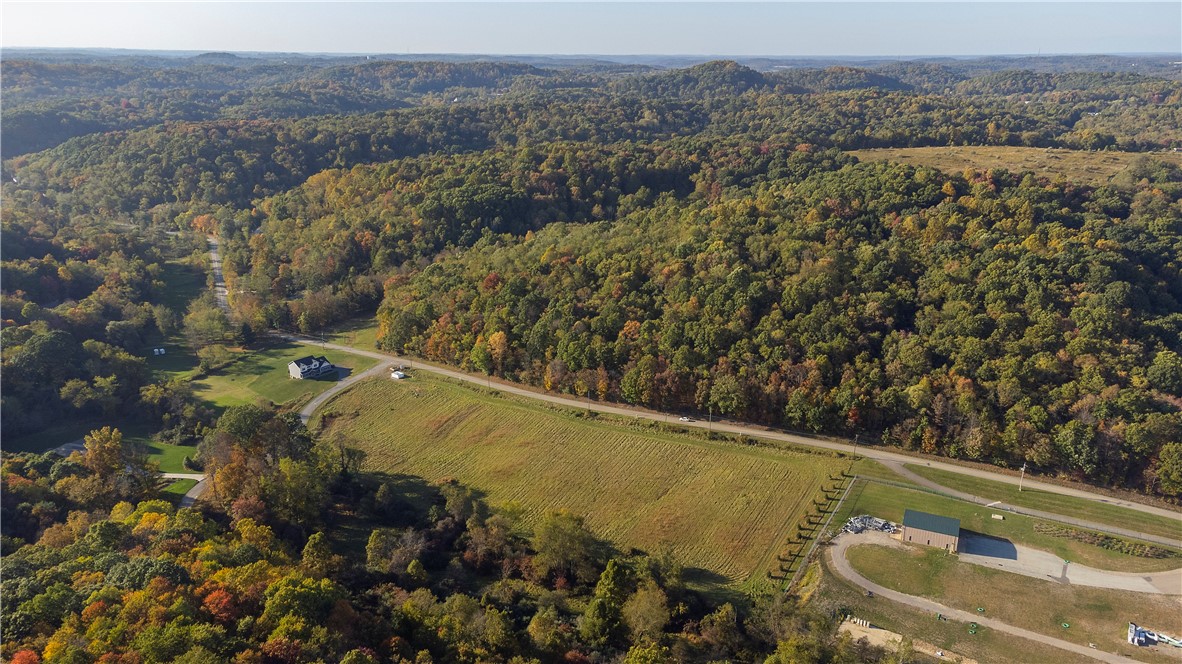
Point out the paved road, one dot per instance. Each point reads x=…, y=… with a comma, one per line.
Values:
x=219, y=283
x=1018, y=559
x=899, y=468
x=877, y=454
x=194, y=493
x=844, y=569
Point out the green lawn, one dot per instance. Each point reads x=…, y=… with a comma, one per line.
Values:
x=177, y=490
x=178, y=360
x=262, y=374
x=185, y=283
x=889, y=502
x=1046, y=501
x=179, y=487
x=170, y=457
x=1096, y=615
x=359, y=333
x=725, y=509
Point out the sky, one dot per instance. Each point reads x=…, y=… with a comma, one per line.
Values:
x=608, y=28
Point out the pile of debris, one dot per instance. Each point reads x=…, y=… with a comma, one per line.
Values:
x=866, y=522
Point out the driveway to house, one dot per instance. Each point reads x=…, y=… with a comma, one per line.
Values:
x=1018, y=559
x=843, y=568
x=892, y=459
x=343, y=384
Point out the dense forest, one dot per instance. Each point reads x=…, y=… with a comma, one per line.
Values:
x=691, y=239
x=95, y=569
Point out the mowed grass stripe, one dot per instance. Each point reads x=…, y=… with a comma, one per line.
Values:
x=721, y=507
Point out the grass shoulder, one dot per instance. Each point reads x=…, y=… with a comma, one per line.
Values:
x=1046, y=501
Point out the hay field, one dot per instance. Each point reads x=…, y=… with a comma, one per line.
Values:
x=725, y=509
x=1093, y=168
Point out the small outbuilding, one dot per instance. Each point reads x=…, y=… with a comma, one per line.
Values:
x=931, y=530
x=310, y=367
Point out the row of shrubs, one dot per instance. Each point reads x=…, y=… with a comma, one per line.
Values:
x=1106, y=541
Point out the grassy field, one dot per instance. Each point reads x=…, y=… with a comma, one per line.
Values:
x=262, y=374
x=836, y=594
x=889, y=502
x=186, y=282
x=170, y=457
x=1046, y=501
x=1095, y=615
x=177, y=490
x=1075, y=165
x=359, y=333
x=724, y=509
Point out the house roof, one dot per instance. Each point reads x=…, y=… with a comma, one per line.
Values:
x=309, y=362
x=931, y=522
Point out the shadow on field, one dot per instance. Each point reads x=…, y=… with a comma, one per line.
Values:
x=406, y=496
x=341, y=374
x=702, y=576
x=987, y=545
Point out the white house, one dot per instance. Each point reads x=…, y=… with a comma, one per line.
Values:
x=310, y=367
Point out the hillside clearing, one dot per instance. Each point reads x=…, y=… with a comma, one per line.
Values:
x=1093, y=168
x=722, y=508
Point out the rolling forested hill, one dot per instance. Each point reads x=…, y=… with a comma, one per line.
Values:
x=697, y=238
x=689, y=239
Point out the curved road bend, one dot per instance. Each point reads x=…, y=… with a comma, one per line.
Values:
x=892, y=459
x=844, y=569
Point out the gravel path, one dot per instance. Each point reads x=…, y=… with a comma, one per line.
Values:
x=844, y=569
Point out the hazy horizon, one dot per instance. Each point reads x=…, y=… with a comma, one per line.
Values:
x=605, y=29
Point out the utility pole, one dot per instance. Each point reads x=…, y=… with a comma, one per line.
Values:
x=1022, y=476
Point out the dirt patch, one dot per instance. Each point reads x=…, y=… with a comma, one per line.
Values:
x=883, y=638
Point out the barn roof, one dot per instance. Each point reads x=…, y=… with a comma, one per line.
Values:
x=931, y=522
